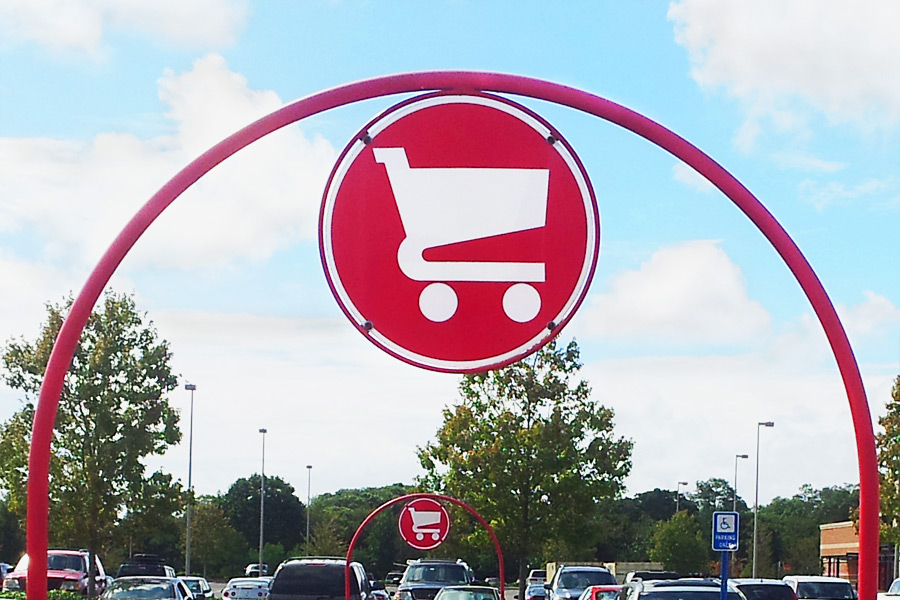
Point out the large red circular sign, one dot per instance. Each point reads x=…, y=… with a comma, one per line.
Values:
x=424, y=523
x=459, y=232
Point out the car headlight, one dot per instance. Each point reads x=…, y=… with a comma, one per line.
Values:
x=11, y=584
x=69, y=585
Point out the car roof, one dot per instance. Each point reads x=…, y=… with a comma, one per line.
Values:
x=146, y=578
x=760, y=580
x=822, y=578
x=583, y=568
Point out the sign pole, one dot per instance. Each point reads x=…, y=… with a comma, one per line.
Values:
x=723, y=595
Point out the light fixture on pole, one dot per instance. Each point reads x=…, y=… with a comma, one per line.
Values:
x=187, y=541
x=736, y=457
x=308, y=487
x=756, y=493
x=262, y=499
x=678, y=494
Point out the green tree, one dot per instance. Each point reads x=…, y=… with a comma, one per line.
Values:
x=678, y=543
x=284, y=514
x=216, y=547
x=888, y=444
x=112, y=414
x=529, y=449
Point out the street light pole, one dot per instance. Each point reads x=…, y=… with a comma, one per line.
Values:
x=736, y=457
x=756, y=493
x=308, y=487
x=187, y=542
x=678, y=494
x=262, y=499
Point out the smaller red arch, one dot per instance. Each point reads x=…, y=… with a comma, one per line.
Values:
x=415, y=496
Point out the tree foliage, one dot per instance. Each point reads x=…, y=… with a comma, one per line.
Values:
x=678, y=543
x=530, y=450
x=888, y=444
x=284, y=514
x=113, y=413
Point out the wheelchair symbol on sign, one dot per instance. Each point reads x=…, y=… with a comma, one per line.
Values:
x=726, y=523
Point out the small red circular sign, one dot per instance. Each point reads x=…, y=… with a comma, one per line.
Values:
x=459, y=232
x=424, y=523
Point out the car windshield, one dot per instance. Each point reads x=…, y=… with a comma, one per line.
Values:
x=895, y=587
x=313, y=580
x=762, y=591
x=65, y=562
x=450, y=594
x=140, y=590
x=578, y=580
x=837, y=590
x=676, y=594
x=193, y=585
x=451, y=573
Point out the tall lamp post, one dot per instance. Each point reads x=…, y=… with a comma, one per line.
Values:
x=308, y=487
x=756, y=493
x=262, y=499
x=736, y=457
x=187, y=542
x=678, y=494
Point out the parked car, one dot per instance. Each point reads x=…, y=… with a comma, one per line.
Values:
x=66, y=570
x=650, y=575
x=246, y=588
x=145, y=564
x=425, y=577
x=318, y=578
x=534, y=591
x=199, y=587
x=256, y=570
x=677, y=589
x=764, y=589
x=892, y=592
x=139, y=587
x=601, y=592
x=814, y=587
x=537, y=576
x=570, y=581
x=467, y=592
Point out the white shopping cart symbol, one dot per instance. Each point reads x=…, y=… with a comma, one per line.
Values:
x=447, y=205
x=425, y=522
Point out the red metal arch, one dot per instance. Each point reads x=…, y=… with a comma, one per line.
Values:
x=64, y=348
x=390, y=503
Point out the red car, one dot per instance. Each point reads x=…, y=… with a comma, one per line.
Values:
x=66, y=570
x=601, y=592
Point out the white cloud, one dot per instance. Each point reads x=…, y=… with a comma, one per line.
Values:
x=872, y=191
x=871, y=318
x=80, y=25
x=79, y=195
x=837, y=57
x=691, y=292
x=805, y=162
x=691, y=178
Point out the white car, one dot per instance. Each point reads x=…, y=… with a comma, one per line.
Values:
x=816, y=587
x=246, y=588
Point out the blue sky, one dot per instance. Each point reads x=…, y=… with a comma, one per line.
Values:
x=693, y=330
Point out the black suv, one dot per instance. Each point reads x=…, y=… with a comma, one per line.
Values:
x=318, y=578
x=145, y=564
x=425, y=577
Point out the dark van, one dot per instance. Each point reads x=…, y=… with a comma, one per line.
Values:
x=318, y=578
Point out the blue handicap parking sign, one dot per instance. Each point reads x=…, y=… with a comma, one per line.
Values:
x=725, y=531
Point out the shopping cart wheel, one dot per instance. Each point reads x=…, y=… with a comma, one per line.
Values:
x=438, y=302
x=521, y=302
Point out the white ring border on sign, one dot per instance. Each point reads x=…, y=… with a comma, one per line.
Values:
x=584, y=276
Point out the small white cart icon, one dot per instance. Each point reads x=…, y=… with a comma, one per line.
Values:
x=425, y=522
x=447, y=205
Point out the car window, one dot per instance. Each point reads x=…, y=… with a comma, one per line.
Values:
x=761, y=591
x=140, y=590
x=835, y=590
x=438, y=573
x=65, y=562
x=583, y=579
x=895, y=587
x=675, y=594
x=467, y=595
x=312, y=580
